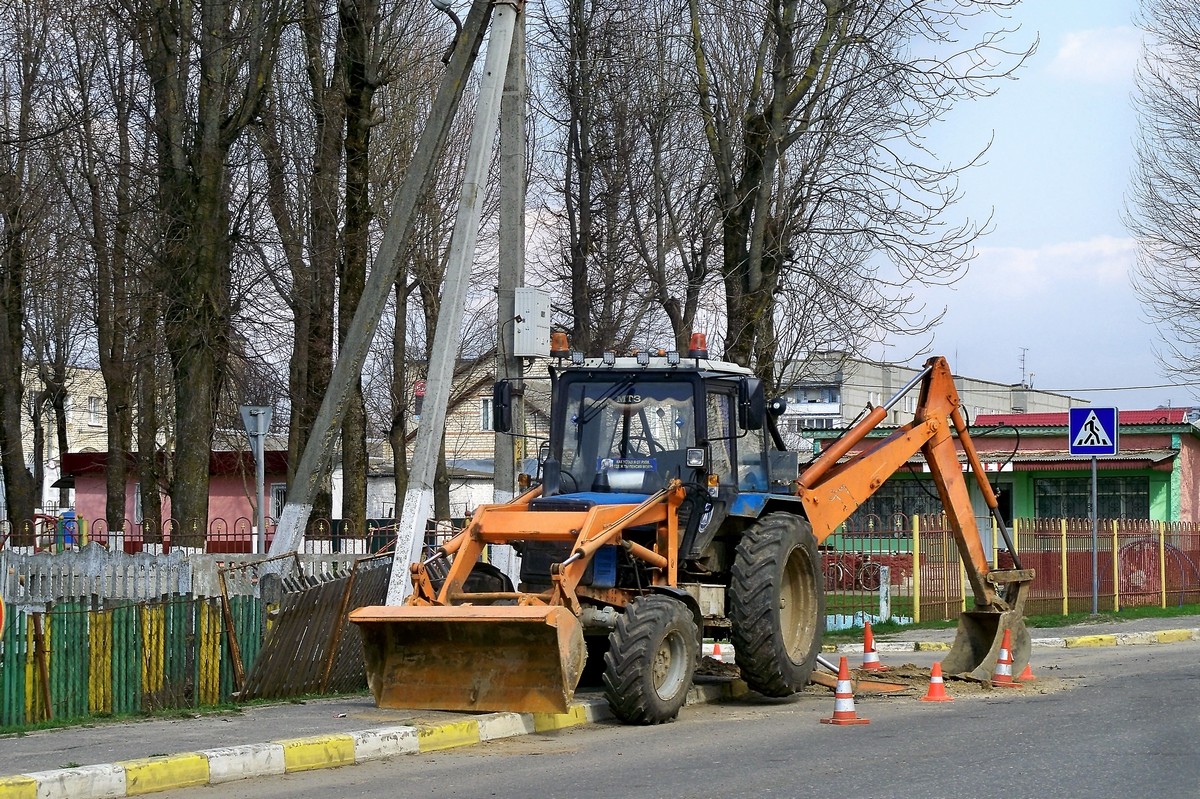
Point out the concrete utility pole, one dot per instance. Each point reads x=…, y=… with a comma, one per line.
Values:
x=512, y=273
x=418, y=500
x=318, y=452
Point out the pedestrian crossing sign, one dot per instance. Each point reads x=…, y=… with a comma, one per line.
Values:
x=1092, y=431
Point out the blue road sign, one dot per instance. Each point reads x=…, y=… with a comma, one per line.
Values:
x=1092, y=431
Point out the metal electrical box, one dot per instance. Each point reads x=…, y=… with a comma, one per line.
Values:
x=531, y=329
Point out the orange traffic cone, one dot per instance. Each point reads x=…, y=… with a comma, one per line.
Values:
x=870, y=656
x=1026, y=675
x=717, y=652
x=1002, y=677
x=843, y=699
x=937, y=686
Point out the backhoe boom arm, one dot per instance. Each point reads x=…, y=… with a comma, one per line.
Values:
x=831, y=490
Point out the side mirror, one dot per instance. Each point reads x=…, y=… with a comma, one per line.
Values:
x=776, y=407
x=502, y=393
x=751, y=403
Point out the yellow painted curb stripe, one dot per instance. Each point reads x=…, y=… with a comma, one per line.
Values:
x=1172, y=636
x=1091, y=640
x=448, y=736
x=544, y=722
x=319, y=751
x=18, y=788
x=931, y=646
x=152, y=774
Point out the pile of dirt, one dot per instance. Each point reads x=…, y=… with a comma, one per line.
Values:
x=916, y=680
x=711, y=667
x=904, y=680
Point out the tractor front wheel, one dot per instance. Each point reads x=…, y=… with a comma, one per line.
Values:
x=651, y=658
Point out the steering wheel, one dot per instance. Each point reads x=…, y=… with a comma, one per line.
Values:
x=639, y=446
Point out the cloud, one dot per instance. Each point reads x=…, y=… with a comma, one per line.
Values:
x=1098, y=56
x=1065, y=310
x=1100, y=263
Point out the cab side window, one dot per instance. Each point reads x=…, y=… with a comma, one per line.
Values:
x=720, y=435
x=751, y=460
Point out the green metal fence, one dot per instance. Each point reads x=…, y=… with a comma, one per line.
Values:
x=79, y=659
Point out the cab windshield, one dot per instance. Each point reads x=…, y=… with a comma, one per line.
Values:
x=625, y=435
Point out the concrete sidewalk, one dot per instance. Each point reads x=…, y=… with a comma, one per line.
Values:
x=118, y=759
x=1100, y=633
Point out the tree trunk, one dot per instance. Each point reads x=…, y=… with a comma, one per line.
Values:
x=19, y=489
x=357, y=19
x=197, y=334
x=149, y=473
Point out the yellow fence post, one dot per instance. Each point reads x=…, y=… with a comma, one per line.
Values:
x=995, y=546
x=1162, y=562
x=962, y=581
x=916, y=553
x=1066, y=585
x=1116, y=581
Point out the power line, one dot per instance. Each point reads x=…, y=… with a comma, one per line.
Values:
x=1120, y=388
x=1004, y=388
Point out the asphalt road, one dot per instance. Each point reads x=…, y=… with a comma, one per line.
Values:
x=1111, y=722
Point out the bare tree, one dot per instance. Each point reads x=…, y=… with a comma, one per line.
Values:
x=209, y=65
x=24, y=41
x=1164, y=197
x=589, y=100
x=813, y=115
x=57, y=328
x=100, y=165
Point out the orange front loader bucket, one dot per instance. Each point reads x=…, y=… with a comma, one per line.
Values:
x=526, y=659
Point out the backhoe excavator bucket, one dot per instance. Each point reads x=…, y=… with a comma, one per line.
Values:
x=472, y=657
x=981, y=632
x=977, y=644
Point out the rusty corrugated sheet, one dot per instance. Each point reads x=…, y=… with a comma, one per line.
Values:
x=311, y=648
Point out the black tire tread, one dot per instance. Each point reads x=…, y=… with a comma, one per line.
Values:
x=754, y=601
x=627, y=683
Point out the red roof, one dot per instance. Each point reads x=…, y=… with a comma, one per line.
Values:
x=1150, y=417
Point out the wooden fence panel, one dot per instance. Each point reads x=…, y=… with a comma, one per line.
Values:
x=311, y=647
x=12, y=669
x=100, y=662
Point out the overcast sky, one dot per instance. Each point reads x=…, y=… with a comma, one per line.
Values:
x=1052, y=279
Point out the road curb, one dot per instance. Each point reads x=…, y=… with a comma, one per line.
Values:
x=226, y=764
x=1072, y=642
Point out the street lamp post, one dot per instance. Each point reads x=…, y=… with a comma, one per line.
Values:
x=257, y=419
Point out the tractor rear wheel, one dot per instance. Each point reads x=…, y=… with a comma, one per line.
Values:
x=777, y=605
x=651, y=658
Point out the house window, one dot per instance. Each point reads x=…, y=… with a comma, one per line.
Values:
x=137, y=503
x=485, y=414
x=1070, y=497
x=95, y=411
x=278, y=499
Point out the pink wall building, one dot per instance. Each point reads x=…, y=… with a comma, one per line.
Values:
x=231, y=508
